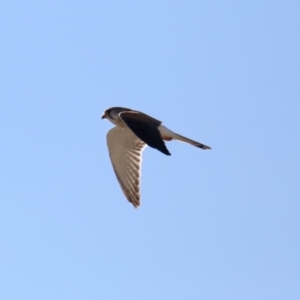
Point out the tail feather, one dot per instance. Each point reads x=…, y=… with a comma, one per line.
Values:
x=168, y=135
x=189, y=141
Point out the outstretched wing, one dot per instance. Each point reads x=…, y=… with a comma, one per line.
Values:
x=125, y=151
x=146, y=128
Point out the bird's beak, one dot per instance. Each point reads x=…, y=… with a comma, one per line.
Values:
x=103, y=116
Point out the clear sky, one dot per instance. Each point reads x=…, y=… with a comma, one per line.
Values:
x=213, y=225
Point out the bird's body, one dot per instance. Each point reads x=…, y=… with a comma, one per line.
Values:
x=134, y=130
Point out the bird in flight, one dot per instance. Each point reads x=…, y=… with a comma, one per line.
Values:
x=135, y=130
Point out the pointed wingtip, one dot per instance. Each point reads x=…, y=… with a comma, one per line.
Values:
x=135, y=204
x=166, y=151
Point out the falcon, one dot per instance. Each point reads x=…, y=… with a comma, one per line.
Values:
x=135, y=130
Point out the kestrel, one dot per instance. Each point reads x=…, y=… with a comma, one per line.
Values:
x=135, y=130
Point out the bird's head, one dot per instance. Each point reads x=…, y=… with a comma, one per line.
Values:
x=112, y=114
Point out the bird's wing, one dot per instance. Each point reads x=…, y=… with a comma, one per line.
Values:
x=125, y=151
x=146, y=128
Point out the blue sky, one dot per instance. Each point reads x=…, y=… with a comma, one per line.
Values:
x=219, y=224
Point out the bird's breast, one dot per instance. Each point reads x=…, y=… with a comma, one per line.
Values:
x=118, y=122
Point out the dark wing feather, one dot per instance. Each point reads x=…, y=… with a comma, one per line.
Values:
x=146, y=128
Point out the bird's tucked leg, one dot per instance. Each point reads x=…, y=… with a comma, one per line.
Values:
x=166, y=138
